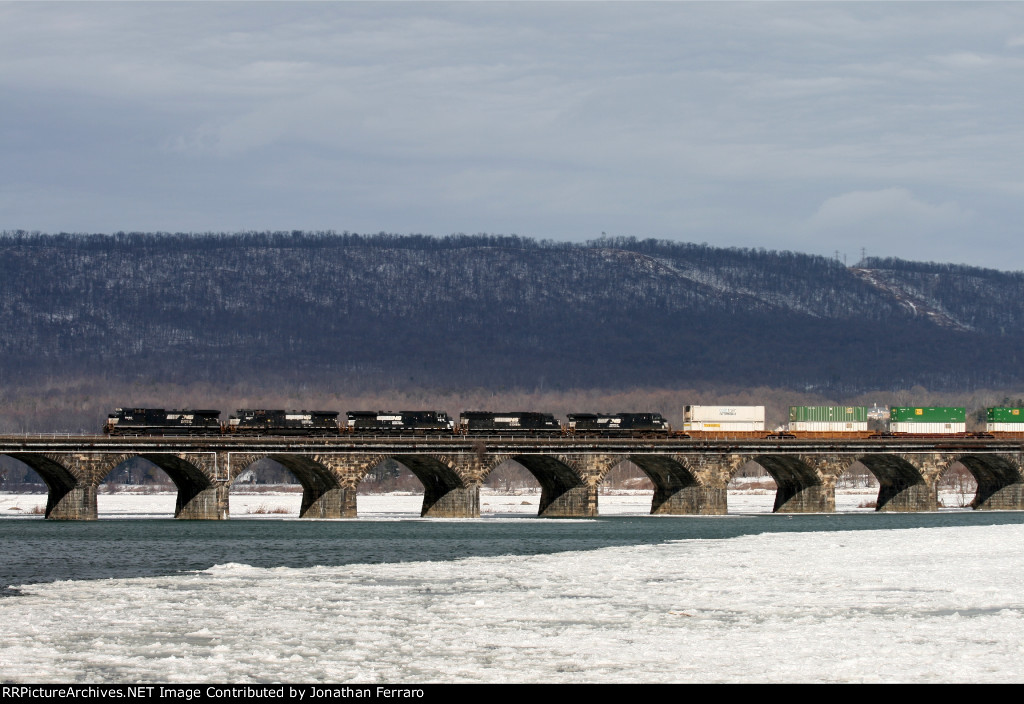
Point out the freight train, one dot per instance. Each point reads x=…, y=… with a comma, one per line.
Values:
x=699, y=422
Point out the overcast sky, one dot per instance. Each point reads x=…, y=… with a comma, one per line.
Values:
x=815, y=127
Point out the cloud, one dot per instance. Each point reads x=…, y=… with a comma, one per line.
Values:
x=964, y=60
x=891, y=204
x=720, y=122
x=891, y=222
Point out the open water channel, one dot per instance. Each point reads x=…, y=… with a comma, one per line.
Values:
x=35, y=550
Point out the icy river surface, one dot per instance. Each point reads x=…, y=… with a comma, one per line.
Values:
x=749, y=597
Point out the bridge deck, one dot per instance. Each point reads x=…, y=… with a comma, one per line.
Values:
x=435, y=444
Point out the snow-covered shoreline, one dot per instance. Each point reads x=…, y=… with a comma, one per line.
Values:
x=285, y=504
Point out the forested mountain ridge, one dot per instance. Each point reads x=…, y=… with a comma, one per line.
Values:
x=506, y=312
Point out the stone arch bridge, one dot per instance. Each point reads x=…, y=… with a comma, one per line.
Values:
x=690, y=476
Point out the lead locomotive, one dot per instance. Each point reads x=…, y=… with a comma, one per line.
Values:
x=157, y=421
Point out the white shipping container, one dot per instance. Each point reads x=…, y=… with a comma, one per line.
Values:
x=929, y=428
x=1005, y=427
x=827, y=427
x=724, y=427
x=725, y=414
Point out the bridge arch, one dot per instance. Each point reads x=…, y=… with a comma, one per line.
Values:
x=324, y=494
x=999, y=479
x=69, y=491
x=508, y=475
x=902, y=485
x=677, y=488
x=72, y=479
x=449, y=488
x=200, y=497
x=802, y=487
x=567, y=488
x=122, y=469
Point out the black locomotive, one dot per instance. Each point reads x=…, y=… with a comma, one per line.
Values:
x=157, y=421
x=517, y=422
x=263, y=422
x=400, y=422
x=617, y=425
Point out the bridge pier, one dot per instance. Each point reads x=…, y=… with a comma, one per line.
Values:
x=348, y=502
x=77, y=504
x=330, y=503
x=448, y=489
x=455, y=493
x=328, y=482
x=1005, y=498
x=902, y=497
x=71, y=480
x=323, y=495
x=793, y=498
x=208, y=503
x=686, y=486
x=574, y=502
x=457, y=502
x=906, y=483
x=690, y=500
x=568, y=483
x=1000, y=483
x=818, y=496
x=801, y=484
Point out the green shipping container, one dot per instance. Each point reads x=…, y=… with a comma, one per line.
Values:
x=943, y=414
x=1005, y=415
x=828, y=414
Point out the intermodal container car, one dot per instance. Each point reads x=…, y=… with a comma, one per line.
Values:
x=1004, y=420
x=723, y=418
x=828, y=419
x=927, y=420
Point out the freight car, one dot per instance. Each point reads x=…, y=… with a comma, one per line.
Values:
x=1004, y=422
x=514, y=422
x=157, y=421
x=263, y=422
x=723, y=422
x=608, y=425
x=399, y=422
x=942, y=420
x=828, y=421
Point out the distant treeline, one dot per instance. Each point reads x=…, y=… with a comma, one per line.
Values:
x=483, y=311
